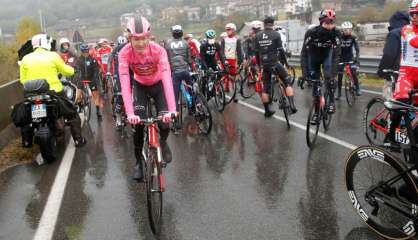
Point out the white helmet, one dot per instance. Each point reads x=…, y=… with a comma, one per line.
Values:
x=64, y=40
x=41, y=40
x=257, y=24
x=347, y=25
x=122, y=40
x=231, y=26
x=102, y=40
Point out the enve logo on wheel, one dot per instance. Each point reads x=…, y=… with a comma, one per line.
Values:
x=370, y=152
x=357, y=206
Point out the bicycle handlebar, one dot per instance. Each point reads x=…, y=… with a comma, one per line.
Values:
x=390, y=71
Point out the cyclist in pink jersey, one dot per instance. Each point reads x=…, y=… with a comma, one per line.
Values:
x=149, y=63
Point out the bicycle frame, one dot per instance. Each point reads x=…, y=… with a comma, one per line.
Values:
x=153, y=141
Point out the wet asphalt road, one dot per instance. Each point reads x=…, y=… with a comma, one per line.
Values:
x=252, y=178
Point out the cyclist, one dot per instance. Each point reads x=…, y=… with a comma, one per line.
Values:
x=210, y=50
x=102, y=55
x=348, y=42
x=113, y=63
x=194, y=46
x=152, y=78
x=321, y=48
x=42, y=63
x=408, y=79
x=392, y=50
x=65, y=53
x=178, y=52
x=88, y=69
x=249, y=43
x=231, y=48
x=269, y=49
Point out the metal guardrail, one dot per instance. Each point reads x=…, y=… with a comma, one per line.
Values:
x=369, y=64
x=10, y=94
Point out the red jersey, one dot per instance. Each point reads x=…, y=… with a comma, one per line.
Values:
x=102, y=56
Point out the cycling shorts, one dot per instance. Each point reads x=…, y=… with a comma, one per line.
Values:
x=408, y=80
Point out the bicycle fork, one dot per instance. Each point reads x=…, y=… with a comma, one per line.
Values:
x=154, y=143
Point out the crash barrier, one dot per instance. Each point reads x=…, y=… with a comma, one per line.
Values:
x=369, y=64
x=10, y=94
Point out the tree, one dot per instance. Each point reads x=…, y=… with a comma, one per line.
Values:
x=369, y=14
x=26, y=28
x=392, y=7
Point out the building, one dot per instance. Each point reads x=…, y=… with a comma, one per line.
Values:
x=193, y=13
x=334, y=4
x=294, y=7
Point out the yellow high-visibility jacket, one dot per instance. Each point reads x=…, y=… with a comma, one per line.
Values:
x=43, y=64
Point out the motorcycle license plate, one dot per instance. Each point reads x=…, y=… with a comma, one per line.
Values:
x=38, y=111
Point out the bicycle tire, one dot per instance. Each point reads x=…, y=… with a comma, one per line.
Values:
x=326, y=117
x=284, y=104
x=233, y=89
x=153, y=185
x=350, y=94
x=375, y=155
x=87, y=105
x=218, y=89
x=202, y=113
x=247, y=85
x=374, y=135
x=310, y=140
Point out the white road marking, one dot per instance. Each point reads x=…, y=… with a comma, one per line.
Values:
x=372, y=92
x=49, y=217
x=300, y=126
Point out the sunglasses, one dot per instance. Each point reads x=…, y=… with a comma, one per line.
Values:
x=413, y=14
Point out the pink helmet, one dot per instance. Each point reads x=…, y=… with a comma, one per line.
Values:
x=138, y=26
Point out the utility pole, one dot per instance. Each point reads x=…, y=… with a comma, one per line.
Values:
x=41, y=20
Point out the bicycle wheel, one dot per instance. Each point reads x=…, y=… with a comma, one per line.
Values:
x=154, y=191
x=247, y=84
x=373, y=178
x=202, y=115
x=230, y=89
x=376, y=120
x=326, y=117
x=87, y=105
x=312, y=128
x=218, y=88
x=350, y=94
x=284, y=105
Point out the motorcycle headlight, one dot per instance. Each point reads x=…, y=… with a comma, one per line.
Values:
x=69, y=92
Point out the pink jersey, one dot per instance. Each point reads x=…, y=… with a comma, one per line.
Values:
x=149, y=68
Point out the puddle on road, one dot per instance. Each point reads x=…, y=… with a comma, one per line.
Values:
x=14, y=154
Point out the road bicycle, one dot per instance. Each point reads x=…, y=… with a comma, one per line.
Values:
x=319, y=108
x=212, y=88
x=349, y=86
x=381, y=187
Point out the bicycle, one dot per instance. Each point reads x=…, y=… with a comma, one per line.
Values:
x=388, y=201
x=349, y=86
x=248, y=77
x=212, y=87
x=153, y=172
x=376, y=118
x=85, y=102
x=230, y=87
x=195, y=102
x=319, y=108
x=282, y=98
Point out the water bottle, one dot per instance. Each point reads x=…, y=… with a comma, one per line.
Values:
x=186, y=96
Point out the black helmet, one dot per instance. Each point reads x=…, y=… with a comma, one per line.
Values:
x=177, y=31
x=269, y=20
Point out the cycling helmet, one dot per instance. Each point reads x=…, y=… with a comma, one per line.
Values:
x=256, y=25
x=413, y=7
x=42, y=40
x=210, y=34
x=231, y=26
x=347, y=25
x=138, y=26
x=84, y=47
x=269, y=20
x=64, y=40
x=327, y=15
x=121, y=40
x=102, y=41
x=177, y=31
